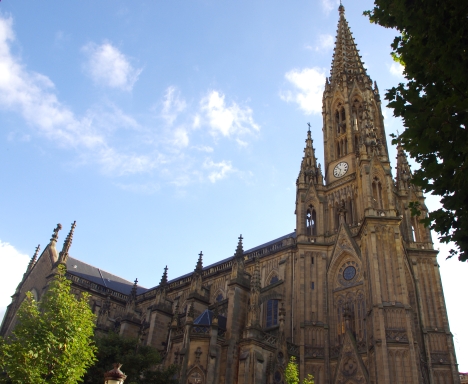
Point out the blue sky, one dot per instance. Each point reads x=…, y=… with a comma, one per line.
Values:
x=167, y=127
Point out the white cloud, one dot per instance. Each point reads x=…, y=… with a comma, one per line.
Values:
x=329, y=5
x=32, y=95
x=181, y=138
x=396, y=69
x=325, y=42
x=114, y=141
x=308, y=88
x=12, y=266
x=173, y=105
x=108, y=66
x=219, y=170
x=203, y=148
x=226, y=120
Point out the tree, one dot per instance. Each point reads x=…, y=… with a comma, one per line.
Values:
x=138, y=361
x=432, y=47
x=53, y=340
x=292, y=373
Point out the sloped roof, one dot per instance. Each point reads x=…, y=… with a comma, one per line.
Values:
x=206, y=318
x=98, y=276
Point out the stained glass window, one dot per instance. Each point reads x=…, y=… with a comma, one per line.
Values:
x=272, y=313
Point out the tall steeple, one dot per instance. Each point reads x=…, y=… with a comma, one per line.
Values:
x=346, y=58
x=352, y=117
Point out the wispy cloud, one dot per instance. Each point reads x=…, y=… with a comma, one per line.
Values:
x=307, y=89
x=218, y=171
x=119, y=144
x=228, y=121
x=13, y=264
x=329, y=5
x=324, y=43
x=173, y=105
x=109, y=67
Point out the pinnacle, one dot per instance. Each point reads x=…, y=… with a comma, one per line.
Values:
x=199, y=266
x=240, y=248
x=164, y=277
x=34, y=258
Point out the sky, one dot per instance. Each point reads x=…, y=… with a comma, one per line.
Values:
x=166, y=128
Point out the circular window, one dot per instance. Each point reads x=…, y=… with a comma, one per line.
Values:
x=349, y=273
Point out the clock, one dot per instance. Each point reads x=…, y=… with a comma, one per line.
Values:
x=340, y=169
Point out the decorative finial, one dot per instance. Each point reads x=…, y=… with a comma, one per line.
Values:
x=309, y=126
x=135, y=282
x=199, y=266
x=341, y=8
x=56, y=231
x=163, y=281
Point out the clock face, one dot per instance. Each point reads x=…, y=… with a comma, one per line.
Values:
x=340, y=169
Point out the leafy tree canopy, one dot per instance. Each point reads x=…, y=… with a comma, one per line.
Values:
x=53, y=340
x=291, y=373
x=433, y=48
x=138, y=361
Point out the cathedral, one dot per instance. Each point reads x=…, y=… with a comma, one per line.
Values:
x=353, y=293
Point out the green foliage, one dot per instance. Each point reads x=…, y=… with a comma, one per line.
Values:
x=138, y=361
x=53, y=340
x=291, y=373
x=433, y=104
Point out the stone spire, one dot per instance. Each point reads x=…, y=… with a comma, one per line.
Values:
x=403, y=170
x=240, y=249
x=163, y=281
x=199, y=266
x=346, y=59
x=133, y=292
x=238, y=264
x=310, y=172
x=63, y=255
x=196, y=285
x=131, y=299
x=34, y=258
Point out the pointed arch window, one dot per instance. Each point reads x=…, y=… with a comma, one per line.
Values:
x=377, y=193
x=311, y=221
x=357, y=111
x=340, y=120
x=272, y=313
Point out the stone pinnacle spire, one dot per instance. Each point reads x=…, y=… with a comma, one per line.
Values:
x=34, y=258
x=240, y=249
x=310, y=172
x=63, y=256
x=403, y=175
x=199, y=266
x=346, y=59
x=163, y=281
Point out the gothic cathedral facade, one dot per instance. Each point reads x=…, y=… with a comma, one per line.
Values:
x=354, y=293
